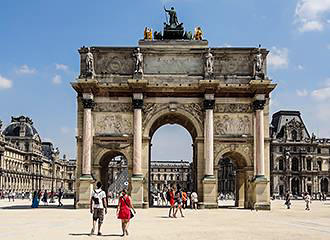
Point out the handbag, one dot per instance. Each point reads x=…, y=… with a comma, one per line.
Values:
x=131, y=212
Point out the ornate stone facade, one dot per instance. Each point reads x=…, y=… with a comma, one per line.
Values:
x=166, y=173
x=299, y=161
x=28, y=164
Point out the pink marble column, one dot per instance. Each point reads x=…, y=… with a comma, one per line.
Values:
x=208, y=134
x=260, y=137
x=87, y=137
x=137, y=131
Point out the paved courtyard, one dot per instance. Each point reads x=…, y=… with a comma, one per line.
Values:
x=19, y=221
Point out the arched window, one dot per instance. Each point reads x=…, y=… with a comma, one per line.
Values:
x=295, y=165
x=319, y=163
x=281, y=164
x=309, y=164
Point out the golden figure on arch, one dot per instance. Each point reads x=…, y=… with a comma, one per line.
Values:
x=147, y=33
x=198, y=33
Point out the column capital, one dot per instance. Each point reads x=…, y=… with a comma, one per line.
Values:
x=258, y=104
x=137, y=103
x=88, y=103
x=208, y=104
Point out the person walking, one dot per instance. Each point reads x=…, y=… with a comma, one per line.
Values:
x=45, y=198
x=170, y=197
x=288, y=200
x=194, y=200
x=124, y=211
x=98, y=206
x=308, y=201
x=35, y=200
x=60, y=195
x=178, y=198
x=184, y=199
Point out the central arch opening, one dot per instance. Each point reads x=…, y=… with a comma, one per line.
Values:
x=171, y=159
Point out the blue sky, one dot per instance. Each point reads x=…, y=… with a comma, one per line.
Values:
x=39, y=58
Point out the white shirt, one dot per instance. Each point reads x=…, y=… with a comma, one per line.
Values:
x=194, y=197
x=100, y=194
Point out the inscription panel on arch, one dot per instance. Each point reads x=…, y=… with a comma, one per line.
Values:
x=173, y=64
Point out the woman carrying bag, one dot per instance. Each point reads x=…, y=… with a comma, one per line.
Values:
x=124, y=211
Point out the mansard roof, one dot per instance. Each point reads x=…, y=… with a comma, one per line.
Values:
x=287, y=118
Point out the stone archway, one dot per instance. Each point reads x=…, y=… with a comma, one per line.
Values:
x=183, y=119
x=113, y=172
x=237, y=174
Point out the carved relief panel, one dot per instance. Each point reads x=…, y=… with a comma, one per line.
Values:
x=114, y=62
x=113, y=124
x=229, y=64
x=233, y=124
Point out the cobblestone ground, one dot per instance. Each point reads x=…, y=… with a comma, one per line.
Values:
x=19, y=221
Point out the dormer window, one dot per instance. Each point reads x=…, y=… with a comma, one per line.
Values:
x=294, y=135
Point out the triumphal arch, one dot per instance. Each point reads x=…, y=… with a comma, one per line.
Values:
x=220, y=95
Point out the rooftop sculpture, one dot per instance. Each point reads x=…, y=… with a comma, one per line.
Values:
x=172, y=28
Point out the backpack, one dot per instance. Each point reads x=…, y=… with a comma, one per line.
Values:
x=168, y=196
x=96, y=199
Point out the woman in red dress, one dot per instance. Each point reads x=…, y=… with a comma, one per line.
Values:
x=172, y=201
x=124, y=210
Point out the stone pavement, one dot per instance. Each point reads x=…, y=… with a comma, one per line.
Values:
x=19, y=221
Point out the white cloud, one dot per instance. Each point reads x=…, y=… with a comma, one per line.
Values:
x=5, y=83
x=64, y=130
x=311, y=14
x=25, y=69
x=321, y=94
x=62, y=67
x=311, y=26
x=278, y=58
x=300, y=67
x=302, y=93
x=57, y=79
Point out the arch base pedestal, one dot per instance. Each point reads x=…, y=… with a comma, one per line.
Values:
x=136, y=183
x=85, y=188
x=209, y=192
x=261, y=189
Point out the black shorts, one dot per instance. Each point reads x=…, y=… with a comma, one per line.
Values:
x=98, y=213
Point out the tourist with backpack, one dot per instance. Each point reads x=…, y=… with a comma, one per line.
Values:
x=98, y=206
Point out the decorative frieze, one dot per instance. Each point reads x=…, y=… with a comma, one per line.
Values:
x=113, y=107
x=233, y=108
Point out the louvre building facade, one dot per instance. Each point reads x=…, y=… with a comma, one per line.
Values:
x=300, y=162
x=28, y=164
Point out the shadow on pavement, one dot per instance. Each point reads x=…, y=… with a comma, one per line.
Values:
x=15, y=207
x=88, y=234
